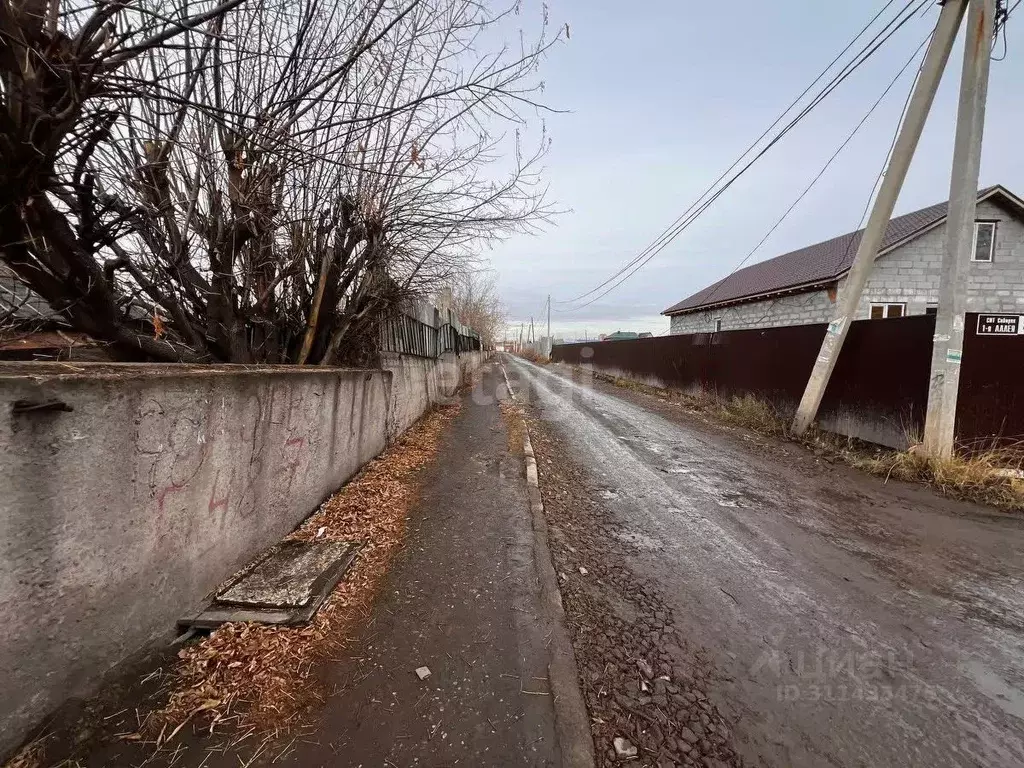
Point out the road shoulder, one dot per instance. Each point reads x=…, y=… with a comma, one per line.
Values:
x=574, y=733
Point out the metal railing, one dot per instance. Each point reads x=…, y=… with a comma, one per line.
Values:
x=410, y=336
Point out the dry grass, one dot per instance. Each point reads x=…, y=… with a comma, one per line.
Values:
x=993, y=475
x=533, y=356
x=746, y=412
x=512, y=415
x=752, y=413
x=30, y=756
x=264, y=676
x=639, y=386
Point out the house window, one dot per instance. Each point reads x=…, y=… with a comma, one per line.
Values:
x=931, y=309
x=984, y=241
x=718, y=324
x=882, y=311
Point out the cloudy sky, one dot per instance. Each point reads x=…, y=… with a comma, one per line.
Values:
x=661, y=96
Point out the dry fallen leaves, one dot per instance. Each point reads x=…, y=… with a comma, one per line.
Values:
x=29, y=756
x=514, y=425
x=265, y=674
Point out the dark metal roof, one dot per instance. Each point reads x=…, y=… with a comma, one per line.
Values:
x=18, y=302
x=24, y=307
x=820, y=263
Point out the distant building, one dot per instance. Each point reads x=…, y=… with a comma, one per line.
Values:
x=620, y=336
x=19, y=303
x=30, y=329
x=646, y=335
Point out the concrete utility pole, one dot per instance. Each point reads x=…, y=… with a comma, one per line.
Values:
x=948, y=342
x=550, y=343
x=939, y=48
x=532, y=339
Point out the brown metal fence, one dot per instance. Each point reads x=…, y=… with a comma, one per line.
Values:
x=882, y=373
x=409, y=336
x=991, y=400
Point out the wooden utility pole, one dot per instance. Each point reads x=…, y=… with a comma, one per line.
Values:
x=948, y=342
x=920, y=104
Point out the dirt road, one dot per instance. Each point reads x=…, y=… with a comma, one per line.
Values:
x=850, y=622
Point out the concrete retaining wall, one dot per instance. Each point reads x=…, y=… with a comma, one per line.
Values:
x=121, y=514
x=417, y=382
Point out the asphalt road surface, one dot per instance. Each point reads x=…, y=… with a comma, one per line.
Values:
x=853, y=623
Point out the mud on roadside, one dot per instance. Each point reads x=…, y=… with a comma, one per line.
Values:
x=641, y=679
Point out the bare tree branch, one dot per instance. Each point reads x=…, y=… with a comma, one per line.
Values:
x=260, y=180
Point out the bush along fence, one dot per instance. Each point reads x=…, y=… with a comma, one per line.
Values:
x=429, y=333
x=879, y=389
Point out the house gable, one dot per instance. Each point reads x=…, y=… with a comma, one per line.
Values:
x=908, y=273
x=816, y=266
x=911, y=273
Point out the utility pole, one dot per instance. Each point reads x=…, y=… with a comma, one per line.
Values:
x=948, y=342
x=532, y=339
x=920, y=104
x=550, y=343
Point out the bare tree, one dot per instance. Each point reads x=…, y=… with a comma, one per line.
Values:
x=475, y=300
x=261, y=181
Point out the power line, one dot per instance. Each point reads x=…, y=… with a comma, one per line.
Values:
x=885, y=162
x=848, y=70
x=828, y=164
x=543, y=309
x=690, y=215
x=747, y=151
x=1002, y=16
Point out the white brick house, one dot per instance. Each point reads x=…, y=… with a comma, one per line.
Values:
x=801, y=287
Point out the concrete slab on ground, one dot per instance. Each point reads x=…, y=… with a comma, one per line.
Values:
x=289, y=576
x=285, y=585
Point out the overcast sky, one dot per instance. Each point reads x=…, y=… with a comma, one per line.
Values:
x=663, y=95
